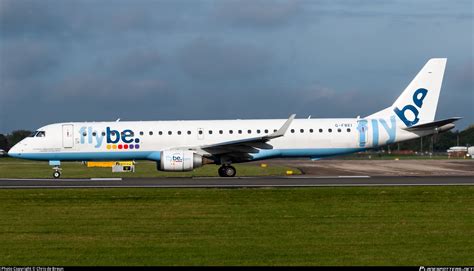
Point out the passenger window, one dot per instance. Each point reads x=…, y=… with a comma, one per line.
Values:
x=210, y=132
x=266, y=131
x=200, y=132
x=170, y=133
x=240, y=131
x=320, y=130
x=141, y=132
x=189, y=132
x=339, y=130
x=160, y=132
x=310, y=130
x=274, y=130
x=292, y=131
x=94, y=133
x=301, y=130
x=249, y=131
x=231, y=132
x=179, y=132
x=348, y=130
x=330, y=130
x=150, y=133
x=103, y=133
x=221, y=132
x=85, y=134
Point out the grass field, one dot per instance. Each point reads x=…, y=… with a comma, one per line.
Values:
x=301, y=226
x=385, y=156
x=16, y=168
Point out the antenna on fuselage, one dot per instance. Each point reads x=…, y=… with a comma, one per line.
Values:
x=117, y=120
x=309, y=117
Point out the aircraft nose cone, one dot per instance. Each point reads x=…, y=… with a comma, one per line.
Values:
x=14, y=151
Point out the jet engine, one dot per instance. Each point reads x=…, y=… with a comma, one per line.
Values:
x=180, y=160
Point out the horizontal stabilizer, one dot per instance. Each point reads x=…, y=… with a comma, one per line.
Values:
x=433, y=125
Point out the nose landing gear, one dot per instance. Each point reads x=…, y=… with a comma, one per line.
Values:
x=227, y=171
x=56, y=167
x=57, y=172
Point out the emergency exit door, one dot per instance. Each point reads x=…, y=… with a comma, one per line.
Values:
x=68, y=136
x=362, y=128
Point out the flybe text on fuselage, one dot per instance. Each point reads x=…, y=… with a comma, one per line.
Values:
x=125, y=139
x=390, y=127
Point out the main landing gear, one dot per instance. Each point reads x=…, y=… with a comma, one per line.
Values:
x=227, y=171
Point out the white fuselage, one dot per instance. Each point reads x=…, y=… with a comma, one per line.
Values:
x=143, y=140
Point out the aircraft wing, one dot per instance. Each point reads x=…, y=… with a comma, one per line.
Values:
x=240, y=150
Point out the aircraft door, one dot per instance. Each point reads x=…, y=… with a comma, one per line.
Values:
x=68, y=136
x=362, y=129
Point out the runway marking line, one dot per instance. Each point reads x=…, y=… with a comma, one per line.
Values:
x=106, y=179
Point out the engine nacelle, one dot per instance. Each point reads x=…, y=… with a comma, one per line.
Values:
x=179, y=160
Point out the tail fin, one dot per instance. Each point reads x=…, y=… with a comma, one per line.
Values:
x=418, y=102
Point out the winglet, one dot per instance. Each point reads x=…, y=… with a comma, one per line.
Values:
x=283, y=129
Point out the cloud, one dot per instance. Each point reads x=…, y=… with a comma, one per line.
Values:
x=25, y=67
x=182, y=59
x=134, y=62
x=215, y=60
x=258, y=13
x=394, y=9
x=465, y=75
x=27, y=58
x=72, y=20
x=107, y=88
x=29, y=17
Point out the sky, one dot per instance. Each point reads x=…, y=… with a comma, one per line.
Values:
x=71, y=60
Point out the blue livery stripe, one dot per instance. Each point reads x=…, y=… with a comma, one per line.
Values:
x=155, y=155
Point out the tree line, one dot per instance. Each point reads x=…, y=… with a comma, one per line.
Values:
x=9, y=140
x=438, y=142
x=432, y=143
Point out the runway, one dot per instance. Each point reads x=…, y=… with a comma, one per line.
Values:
x=242, y=182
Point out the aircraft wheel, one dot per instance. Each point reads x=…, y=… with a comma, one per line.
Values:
x=227, y=171
x=56, y=174
x=221, y=171
x=230, y=171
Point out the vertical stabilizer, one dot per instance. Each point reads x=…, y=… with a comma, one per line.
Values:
x=418, y=102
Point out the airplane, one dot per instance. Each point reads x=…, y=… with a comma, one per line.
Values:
x=457, y=149
x=186, y=145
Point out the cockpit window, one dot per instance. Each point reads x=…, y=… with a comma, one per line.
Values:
x=38, y=134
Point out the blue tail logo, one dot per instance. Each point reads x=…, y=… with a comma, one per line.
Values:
x=418, y=98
